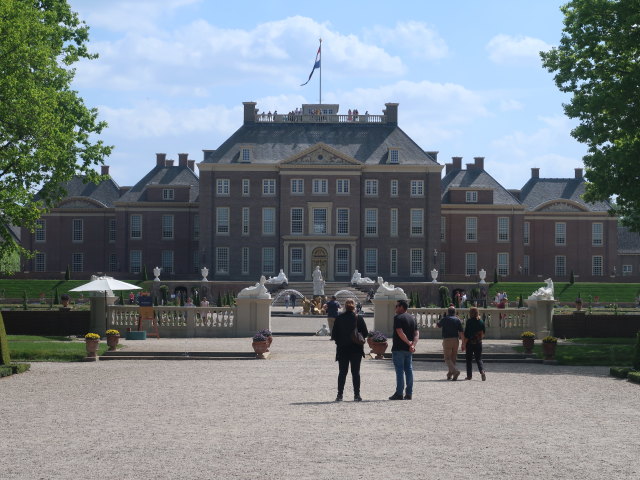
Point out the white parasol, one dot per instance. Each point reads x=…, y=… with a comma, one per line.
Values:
x=105, y=284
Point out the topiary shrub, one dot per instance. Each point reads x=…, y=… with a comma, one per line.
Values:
x=620, y=372
x=633, y=377
x=5, y=358
x=445, y=299
x=67, y=274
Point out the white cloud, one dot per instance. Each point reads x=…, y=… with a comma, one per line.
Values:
x=509, y=104
x=415, y=37
x=504, y=49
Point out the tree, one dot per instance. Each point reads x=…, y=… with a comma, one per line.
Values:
x=67, y=274
x=145, y=275
x=47, y=134
x=597, y=62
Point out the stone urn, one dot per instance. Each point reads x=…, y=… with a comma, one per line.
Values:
x=91, y=345
x=260, y=348
x=378, y=348
x=527, y=343
x=549, y=350
x=112, y=342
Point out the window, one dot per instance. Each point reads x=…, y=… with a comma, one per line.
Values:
x=319, y=221
x=167, y=226
x=417, y=188
x=40, y=262
x=296, y=265
x=503, y=264
x=113, y=262
x=297, y=221
x=268, y=260
x=503, y=229
x=269, y=187
x=342, y=186
x=167, y=261
x=470, y=263
x=135, y=226
x=442, y=262
x=269, y=221
x=112, y=230
x=77, y=262
x=41, y=231
x=297, y=186
x=342, y=221
x=471, y=224
x=561, y=233
x=471, y=197
x=596, y=234
x=627, y=270
x=561, y=265
x=244, y=260
x=393, y=188
x=525, y=264
x=417, y=255
x=196, y=227
x=526, y=228
x=320, y=186
x=245, y=155
x=371, y=188
x=597, y=265
x=443, y=229
x=223, y=187
x=393, y=261
x=222, y=220
x=393, y=222
x=246, y=189
x=195, y=262
x=342, y=261
x=222, y=260
x=78, y=230
x=370, y=261
x=370, y=222
x=168, y=194
x=417, y=222
x=135, y=261
x=245, y=220
x=393, y=155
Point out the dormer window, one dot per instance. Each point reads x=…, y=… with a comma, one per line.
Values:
x=245, y=155
x=168, y=194
x=471, y=197
x=393, y=155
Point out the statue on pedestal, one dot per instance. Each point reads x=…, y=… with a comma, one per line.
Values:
x=156, y=273
x=204, y=271
x=318, y=282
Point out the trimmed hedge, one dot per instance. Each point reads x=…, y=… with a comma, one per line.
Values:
x=634, y=377
x=620, y=372
x=5, y=370
x=13, y=369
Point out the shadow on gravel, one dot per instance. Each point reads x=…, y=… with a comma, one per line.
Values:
x=334, y=402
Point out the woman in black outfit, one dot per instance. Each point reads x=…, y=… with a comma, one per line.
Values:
x=473, y=334
x=348, y=352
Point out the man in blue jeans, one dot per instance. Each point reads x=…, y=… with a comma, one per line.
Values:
x=405, y=339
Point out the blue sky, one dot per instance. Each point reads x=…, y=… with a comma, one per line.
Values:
x=172, y=75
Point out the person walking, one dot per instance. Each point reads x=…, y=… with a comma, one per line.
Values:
x=331, y=308
x=348, y=352
x=474, y=331
x=451, y=335
x=405, y=339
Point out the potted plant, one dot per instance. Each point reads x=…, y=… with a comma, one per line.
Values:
x=578, y=303
x=549, y=347
x=260, y=345
x=268, y=335
x=528, y=339
x=370, y=336
x=91, y=341
x=379, y=344
x=113, y=337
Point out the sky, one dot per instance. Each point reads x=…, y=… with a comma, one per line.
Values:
x=172, y=75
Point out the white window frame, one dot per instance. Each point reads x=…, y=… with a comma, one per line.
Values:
x=77, y=262
x=342, y=261
x=40, y=234
x=222, y=260
x=40, y=262
x=502, y=264
x=77, y=230
x=560, y=265
x=133, y=220
x=370, y=261
x=320, y=228
x=416, y=228
x=297, y=186
x=268, y=221
x=342, y=221
x=268, y=260
x=471, y=229
x=168, y=194
x=393, y=188
x=246, y=187
x=371, y=187
x=296, y=263
x=393, y=262
x=443, y=229
x=297, y=220
x=223, y=187
x=471, y=196
x=394, y=156
x=196, y=227
x=526, y=233
x=370, y=222
x=442, y=263
x=416, y=262
x=503, y=229
x=597, y=234
x=343, y=186
x=393, y=222
x=470, y=263
x=166, y=261
x=627, y=270
x=135, y=261
x=112, y=228
x=320, y=186
x=417, y=188
x=246, y=221
x=245, y=155
x=223, y=221
x=560, y=233
x=269, y=187
x=167, y=227
x=526, y=264
x=244, y=260
x=597, y=265
x=113, y=262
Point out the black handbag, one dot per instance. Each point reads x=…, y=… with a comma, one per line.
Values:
x=356, y=336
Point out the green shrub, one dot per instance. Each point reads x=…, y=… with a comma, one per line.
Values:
x=620, y=372
x=5, y=370
x=445, y=299
x=5, y=358
x=634, y=377
x=67, y=274
x=19, y=367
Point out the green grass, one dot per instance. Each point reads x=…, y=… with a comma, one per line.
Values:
x=604, y=341
x=592, y=352
x=565, y=292
x=48, y=349
x=15, y=288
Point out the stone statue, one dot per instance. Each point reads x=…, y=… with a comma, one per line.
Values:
x=204, y=271
x=358, y=279
x=434, y=276
x=318, y=282
x=324, y=330
x=543, y=293
x=257, y=291
x=388, y=291
x=156, y=273
x=281, y=279
x=482, y=274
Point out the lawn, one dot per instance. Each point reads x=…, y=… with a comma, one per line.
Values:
x=28, y=348
x=36, y=289
x=566, y=292
x=608, y=352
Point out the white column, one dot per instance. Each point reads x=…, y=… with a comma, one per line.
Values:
x=252, y=314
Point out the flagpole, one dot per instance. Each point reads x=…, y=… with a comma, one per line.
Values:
x=320, y=72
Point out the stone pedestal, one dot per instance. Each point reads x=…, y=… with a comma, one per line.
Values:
x=98, y=322
x=542, y=318
x=252, y=314
x=385, y=310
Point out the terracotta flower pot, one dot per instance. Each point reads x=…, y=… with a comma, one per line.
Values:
x=379, y=348
x=112, y=342
x=269, y=340
x=549, y=350
x=527, y=343
x=260, y=348
x=92, y=346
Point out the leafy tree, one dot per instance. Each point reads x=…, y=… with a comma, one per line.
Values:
x=24, y=299
x=572, y=278
x=145, y=275
x=47, y=134
x=5, y=358
x=67, y=274
x=495, y=275
x=597, y=62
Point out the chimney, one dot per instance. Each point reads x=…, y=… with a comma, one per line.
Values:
x=168, y=163
x=191, y=164
x=578, y=173
x=391, y=113
x=535, y=173
x=249, y=112
x=105, y=170
x=479, y=162
x=457, y=163
x=182, y=159
x=160, y=158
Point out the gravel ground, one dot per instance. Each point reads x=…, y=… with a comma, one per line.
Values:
x=246, y=419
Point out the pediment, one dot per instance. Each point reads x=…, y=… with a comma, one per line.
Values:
x=319, y=155
x=79, y=203
x=560, y=206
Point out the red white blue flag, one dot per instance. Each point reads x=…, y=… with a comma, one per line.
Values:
x=315, y=65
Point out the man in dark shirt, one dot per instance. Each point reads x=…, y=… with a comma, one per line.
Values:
x=331, y=307
x=452, y=333
x=405, y=339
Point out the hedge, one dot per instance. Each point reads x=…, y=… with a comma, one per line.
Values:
x=5, y=370
x=634, y=377
x=14, y=368
x=620, y=372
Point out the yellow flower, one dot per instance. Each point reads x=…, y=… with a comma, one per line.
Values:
x=92, y=336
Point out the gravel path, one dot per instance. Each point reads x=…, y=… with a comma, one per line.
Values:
x=276, y=419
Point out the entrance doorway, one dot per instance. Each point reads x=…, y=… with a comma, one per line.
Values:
x=319, y=258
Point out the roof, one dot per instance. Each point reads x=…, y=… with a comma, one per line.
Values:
x=538, y=191
x=271, y=143
x=165, y=176
x=476, y=178
x=628, y=241
x=105, y=193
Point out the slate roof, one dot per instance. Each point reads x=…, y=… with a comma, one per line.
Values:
x=476, y=178
x=628, y=241
x=106, y=192
x=273, y=142
x=169, y=176
x=540, y=190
